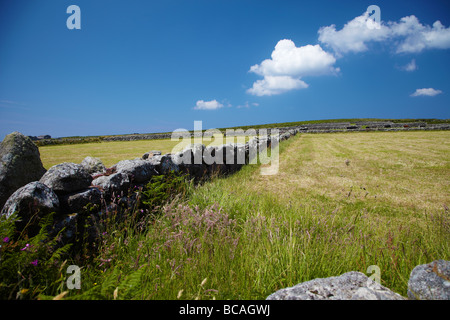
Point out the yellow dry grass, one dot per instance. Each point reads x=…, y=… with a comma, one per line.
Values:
x=403, y=169
x=112, y=152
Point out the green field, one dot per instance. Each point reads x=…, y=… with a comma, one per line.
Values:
x=340, y=202
x=112, y=152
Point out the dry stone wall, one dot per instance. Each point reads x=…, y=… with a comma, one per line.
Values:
x=67, y=188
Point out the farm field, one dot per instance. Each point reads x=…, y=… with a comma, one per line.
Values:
x=340, y=202
x=114, y=151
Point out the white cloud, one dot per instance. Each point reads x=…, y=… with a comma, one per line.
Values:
x=272, y=85
x=208, y=105
x=355, y=34
x=408, y=35
x=287, y=65
x=426, y=92
x=410, y=66
x=248, y=105
x=417, y=37
x=289, y=60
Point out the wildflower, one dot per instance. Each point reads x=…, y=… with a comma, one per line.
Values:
x=104, y=233
x=26, y=247
x=5, y=239
x=35, y=262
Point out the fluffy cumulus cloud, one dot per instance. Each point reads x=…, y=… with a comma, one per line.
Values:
x=272, y=85
x=287, y=65
x=430, y=92
x=208, y=105
x=355, y=34
x=408, y=35
x=289, y=60
x=415, y=37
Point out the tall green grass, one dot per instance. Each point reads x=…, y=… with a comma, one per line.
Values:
x=237, y=237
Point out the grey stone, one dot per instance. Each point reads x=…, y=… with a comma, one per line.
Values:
x=76, y=202
x=93, y=165
x=32, y=198
x=163, y=164
x=67, y=177
x=115, y=182
x=20, y=163
x=430, y=281
x=193, y=153
x=349, y=286
x=138, y=170
x=155, y=160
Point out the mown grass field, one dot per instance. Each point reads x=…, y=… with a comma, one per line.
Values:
x=114, y=151
x=340, y=202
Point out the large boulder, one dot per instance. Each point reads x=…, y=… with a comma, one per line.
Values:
x=430, y=281
x=138, y=170
x=67, y=177
x=20, y=163
x=34, y=197
x=349, y=286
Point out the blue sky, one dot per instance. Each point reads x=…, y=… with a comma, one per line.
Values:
x=154, y=66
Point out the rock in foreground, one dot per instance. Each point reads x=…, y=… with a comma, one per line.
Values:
x=430, y=281
x=35, y=197
x=67, y=177
x=349, y=286
x=20, y=163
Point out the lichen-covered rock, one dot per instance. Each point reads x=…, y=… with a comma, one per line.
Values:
x=349, y=286
x=430, y=281
x=113, y=183
x=34, y=197
x=138, y=170
x=67, y=177
x=20, y=163
x=93, y=165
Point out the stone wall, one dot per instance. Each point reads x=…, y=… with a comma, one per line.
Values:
x=67, y=188
x=307, y=128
